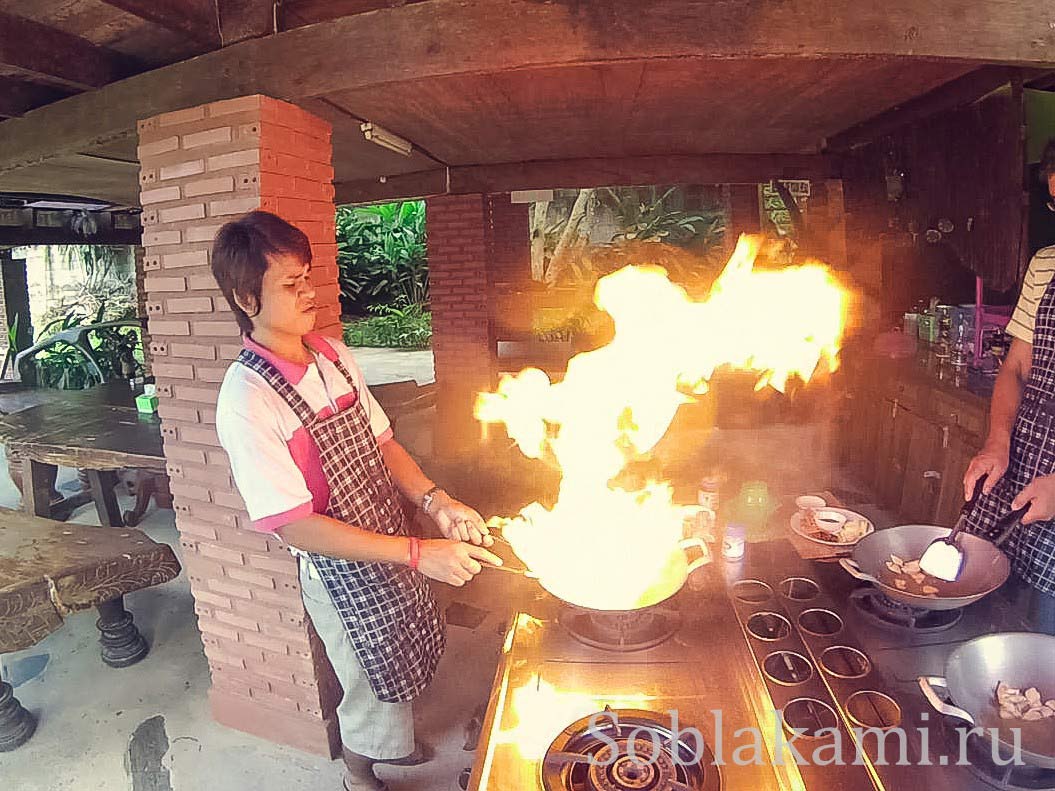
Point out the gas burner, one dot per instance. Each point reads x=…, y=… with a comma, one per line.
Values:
x=628, y=750
x=979, y=755
x=881, y=610
x=621, y=630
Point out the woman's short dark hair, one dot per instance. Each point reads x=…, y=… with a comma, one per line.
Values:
x=240, y=255
x=1047, y=161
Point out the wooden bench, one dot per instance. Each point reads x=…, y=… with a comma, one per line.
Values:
x=50, y=569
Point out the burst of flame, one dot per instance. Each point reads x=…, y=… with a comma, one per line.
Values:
x=541, y=710
x=609, y=546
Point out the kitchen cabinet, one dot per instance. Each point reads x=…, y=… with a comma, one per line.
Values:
x=910, y=443
x=923, y=471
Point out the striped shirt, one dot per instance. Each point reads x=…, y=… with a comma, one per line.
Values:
x=1038, y=276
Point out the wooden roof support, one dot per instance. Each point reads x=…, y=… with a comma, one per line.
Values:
x=17, y=97
x=553, y=174
x=963, y=90
x=241, y=20
x=451, y=37
x=193, y=19
x=46, y=53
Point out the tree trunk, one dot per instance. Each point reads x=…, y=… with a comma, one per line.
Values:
x=570, y=235
x=538, y=239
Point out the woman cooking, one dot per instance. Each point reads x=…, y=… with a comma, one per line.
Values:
x=1018, y=459
x=314, y=459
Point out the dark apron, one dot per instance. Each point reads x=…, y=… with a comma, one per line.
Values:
x=1030, y=547
x=392, y=619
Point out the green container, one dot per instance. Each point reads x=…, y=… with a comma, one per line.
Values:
x=752, y=508
x=147, y=404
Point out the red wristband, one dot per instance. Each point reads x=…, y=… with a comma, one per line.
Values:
x=415, y=552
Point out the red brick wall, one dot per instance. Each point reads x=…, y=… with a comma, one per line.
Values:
x=462, y=338
x=201, y=167
x=509, y=241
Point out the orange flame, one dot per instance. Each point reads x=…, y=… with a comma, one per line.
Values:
x=608, y=547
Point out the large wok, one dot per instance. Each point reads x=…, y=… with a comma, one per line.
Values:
x=669, y=582
x=673, y=578
x=972, y=671
x=985, y=567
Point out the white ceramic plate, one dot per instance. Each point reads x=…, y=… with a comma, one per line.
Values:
x=796, y=525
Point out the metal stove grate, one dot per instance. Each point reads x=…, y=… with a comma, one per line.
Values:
x=880, y=610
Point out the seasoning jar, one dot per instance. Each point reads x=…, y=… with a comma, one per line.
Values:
x=734, y=541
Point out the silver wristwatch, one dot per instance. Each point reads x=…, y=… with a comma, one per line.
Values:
x=428, y=497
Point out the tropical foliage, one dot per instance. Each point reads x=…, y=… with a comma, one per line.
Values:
x=117, y=350
x=381, y=255
x=405, y=326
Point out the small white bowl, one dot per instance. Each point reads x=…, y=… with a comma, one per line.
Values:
x=809, y=502
x=830, y=521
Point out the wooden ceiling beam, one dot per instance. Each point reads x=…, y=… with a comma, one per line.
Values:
x=18, y=97
x=55, y=56
x=963, y=90
x=574, y=173
x=241, y=20
x=439, y=38
x=192, y=19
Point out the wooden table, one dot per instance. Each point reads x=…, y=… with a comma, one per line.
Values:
x=50, y=569
x=95, y=430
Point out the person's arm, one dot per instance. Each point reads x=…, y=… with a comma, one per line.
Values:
x=991, y=462
x=453, y=562
x=455, y=519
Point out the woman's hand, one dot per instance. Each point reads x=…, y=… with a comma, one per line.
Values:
x=1040, y=494
x=453, y=562
x=990, y=463
x=459, y=522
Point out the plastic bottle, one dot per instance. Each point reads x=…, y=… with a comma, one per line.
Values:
x=751, y=510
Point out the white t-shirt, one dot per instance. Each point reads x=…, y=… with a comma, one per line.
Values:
x=274, y=460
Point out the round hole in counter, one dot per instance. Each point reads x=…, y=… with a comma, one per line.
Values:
x=768, y=626
x=871, y=709
x=752, y=591
x=808, y=715
x=842, y=661
x=822, y=623
x=799, y=589
x=787, y=668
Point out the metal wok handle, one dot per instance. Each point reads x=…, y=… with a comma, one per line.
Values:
x=927, y=685
x=705, y=554
x=850, y=567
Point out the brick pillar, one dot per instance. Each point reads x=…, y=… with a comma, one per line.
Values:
x=743, y=208
x=141, y=303
x=462, y=339
x=509, y=242
x=199, y=168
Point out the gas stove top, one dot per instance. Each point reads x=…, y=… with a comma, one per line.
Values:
x=698, y=696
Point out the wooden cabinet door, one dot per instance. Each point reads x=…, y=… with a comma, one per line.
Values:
x=859, y=437
x=962, y=447
x=924, y=465
x=895, y=433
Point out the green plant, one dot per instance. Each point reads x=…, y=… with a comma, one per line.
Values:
x=646, y=216
x=405, y=326
x=381, y=255
x=12, y=346
x=118, y=351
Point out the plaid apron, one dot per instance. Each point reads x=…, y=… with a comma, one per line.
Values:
x=388, y=609
x=1030, y=547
